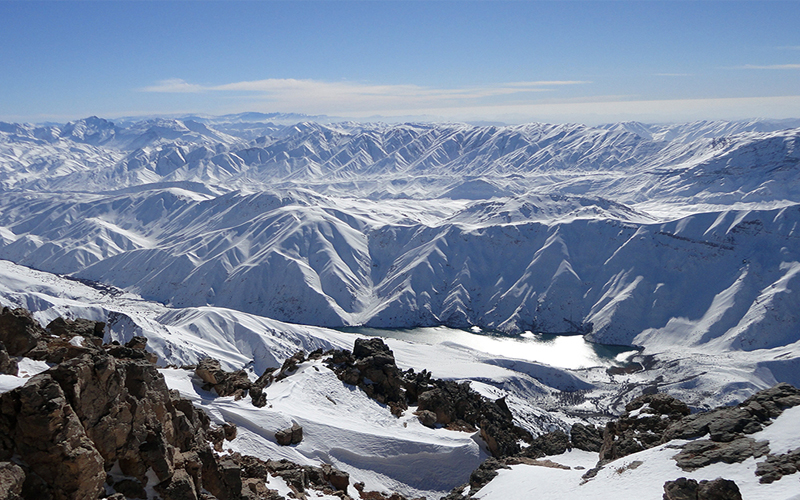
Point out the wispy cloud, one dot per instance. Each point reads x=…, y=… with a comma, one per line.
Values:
x=299, y=94
x=672, y=74
x=769, y=66
x=174, y=85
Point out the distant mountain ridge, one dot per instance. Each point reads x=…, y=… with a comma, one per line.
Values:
x=632, y=232
x=629, y=163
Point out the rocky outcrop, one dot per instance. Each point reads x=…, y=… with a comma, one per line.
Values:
x=19, y=332
x=655, y=419
x=11, y=479
x=41, y=427
x=70, y=424
x=290, y=435
x=550, y=443
x=724, y=424
x=697, y=454
x=371, y=366
x=586, y=437
x=300, y=478
x=689, y=489
x=642, y=426
x=777, y=466
x=8, y=365
x=80, y=326
x=235, y=384
x=107, y=406
x=727, y=428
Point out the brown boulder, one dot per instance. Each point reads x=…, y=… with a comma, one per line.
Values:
x=586, y=437
x=178, y=487
x=19, y=331
x=290, y=435
x=80, y=326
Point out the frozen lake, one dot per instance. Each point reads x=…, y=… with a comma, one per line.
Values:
x=563, y=351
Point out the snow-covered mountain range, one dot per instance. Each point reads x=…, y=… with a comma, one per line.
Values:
x=624, y=231
x=254, y=236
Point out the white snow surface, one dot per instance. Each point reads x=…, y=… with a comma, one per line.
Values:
x=643, y=474
x=343, y=427
x=242, y=240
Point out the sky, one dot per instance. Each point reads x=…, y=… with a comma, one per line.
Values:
x=517, y=61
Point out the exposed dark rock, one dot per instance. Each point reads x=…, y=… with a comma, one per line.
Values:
x=777, y=466
x=586, y=437
x=140, y=344
x=697, y=454
x=290, y=365
x=258, y=397
x=265, y=379
x=107, y=405
x=80, y=326
x=338, y=479
x=727, y=428
x=371, y=366
x=485, y=473
x=690, y=489
x=77, y=419
x=551, y=443
x=45, y=432
x=290, y=435
x=8, y=365
x=376, y=495
x=222, y=478
x=19, y=332
x=642, y=426
x=131, y=488
x=235, y=384
x=179, y=486
x=724, y=424
x=441, y=405
x=12, y=477
x=718, y=489
x=230, y=431
x=680, y=489
x=426, y=418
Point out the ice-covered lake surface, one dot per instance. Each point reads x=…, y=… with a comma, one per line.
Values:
x=563, y=351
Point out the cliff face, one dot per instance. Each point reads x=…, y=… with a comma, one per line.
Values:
x=101, y=406
x=102, y=422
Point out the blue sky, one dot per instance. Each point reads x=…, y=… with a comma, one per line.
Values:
x=557, y=61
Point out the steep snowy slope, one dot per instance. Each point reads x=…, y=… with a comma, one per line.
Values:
x=344, y=427
x=544, y=263
x=659, y=236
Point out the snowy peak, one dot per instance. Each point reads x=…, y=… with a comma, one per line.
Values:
x=624, y=163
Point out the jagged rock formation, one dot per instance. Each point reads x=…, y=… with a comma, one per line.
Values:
x=654, y=419
x=8, y=365
x=643, y=425
x=224, y=383
x=107, y=406
x=371, y=367
x=586, y=437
